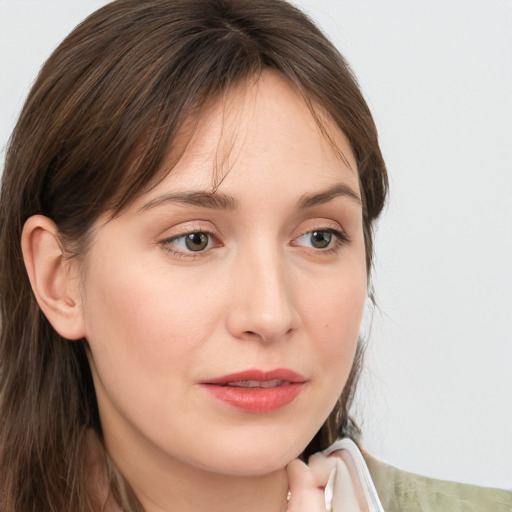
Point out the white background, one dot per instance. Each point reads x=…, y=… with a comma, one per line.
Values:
x=436, y=395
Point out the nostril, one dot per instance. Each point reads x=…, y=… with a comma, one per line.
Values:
x=255, y=335
x=267, y=337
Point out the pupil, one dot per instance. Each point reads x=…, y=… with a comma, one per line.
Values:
x=196, y=241
x=321, y=239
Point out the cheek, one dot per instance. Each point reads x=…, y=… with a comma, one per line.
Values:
x=143, y=328
x=333, y=321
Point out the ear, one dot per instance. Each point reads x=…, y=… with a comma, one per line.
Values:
x=54, y=278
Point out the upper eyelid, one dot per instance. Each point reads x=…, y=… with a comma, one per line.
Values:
x=190, y=232
x=320, y=225
x=323, y=227
x=204, y=225
x=326, y=225
x=189, y=227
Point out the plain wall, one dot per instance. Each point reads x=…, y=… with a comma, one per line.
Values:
x=436, y=393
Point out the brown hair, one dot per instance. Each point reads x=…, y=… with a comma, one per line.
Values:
x=92, y=136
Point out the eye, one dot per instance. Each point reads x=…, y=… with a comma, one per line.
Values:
x=196, y=241
x=321, y=239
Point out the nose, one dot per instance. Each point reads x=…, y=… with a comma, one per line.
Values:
x=262, y=306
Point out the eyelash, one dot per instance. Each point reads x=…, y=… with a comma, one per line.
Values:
x=340, y=239
x=168, y=243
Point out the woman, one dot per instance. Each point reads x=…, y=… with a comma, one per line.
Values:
x=194, y=186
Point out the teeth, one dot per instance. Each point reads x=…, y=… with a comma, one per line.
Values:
x=256, y=383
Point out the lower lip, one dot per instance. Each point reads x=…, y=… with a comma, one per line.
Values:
x=256, y=400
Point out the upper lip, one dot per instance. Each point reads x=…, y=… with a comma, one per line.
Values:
x=280, y=374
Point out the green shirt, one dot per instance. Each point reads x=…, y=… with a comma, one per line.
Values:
x=400, y=491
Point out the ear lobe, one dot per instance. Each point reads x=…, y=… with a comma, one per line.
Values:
x=52, y=277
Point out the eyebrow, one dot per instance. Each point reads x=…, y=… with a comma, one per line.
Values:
x=219, y=201
x=212, y=200
x=310, y=200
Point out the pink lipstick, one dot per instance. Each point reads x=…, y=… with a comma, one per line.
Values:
x=257, y=391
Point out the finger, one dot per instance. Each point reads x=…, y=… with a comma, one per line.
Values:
x=305, y=494
x=321, y=468
x=299, y=475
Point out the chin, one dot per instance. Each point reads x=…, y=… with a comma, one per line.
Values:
x=247, y=466
x=258, y=456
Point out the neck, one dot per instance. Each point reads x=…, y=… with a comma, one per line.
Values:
x=214, y=493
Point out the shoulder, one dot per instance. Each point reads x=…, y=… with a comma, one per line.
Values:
x=400, y=491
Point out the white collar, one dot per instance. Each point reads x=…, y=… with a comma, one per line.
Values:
x=362, y=484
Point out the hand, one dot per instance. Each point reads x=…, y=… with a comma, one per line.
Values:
x=307, y=483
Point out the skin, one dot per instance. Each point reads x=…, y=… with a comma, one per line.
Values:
x=161, y=318
x=307, y=483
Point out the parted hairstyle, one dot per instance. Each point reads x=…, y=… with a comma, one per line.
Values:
x=92, y=136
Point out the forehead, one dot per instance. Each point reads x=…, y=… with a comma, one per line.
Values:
x=260, y=130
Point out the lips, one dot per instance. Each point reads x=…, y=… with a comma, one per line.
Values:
x=256, y=391
x=256, y=383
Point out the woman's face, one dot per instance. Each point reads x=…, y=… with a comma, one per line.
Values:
x=222, y=322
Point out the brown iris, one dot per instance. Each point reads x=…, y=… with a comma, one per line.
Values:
x=196, y=241
x=321, y=239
